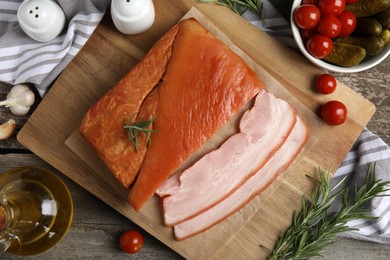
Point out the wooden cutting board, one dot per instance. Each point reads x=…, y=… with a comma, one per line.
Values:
x=108, y=55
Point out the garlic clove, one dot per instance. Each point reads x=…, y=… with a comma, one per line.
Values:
x=19, y=110
x=25, y=98
x=7, y=129
x=21, y=95
x=16, y=90
x=19, y=99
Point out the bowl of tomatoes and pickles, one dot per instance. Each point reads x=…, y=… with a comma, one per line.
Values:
x=342, y=35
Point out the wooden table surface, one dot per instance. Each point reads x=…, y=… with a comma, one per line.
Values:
x=96, y=227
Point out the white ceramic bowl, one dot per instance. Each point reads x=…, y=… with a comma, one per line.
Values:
x=42, y=20
x=367, y=63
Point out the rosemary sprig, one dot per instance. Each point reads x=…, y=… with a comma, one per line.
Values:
x=241, y=6
x=314, y=227
x=134, y=128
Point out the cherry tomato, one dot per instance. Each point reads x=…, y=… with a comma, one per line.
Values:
x=331, y=7
x=305, y=34
x=307, y=16
x=326, y=84
x=329, y=26
x=313, y=2
x=334, y=112
x=131, y=241
x=319, y=45
x=348, y=23
x=351, y=1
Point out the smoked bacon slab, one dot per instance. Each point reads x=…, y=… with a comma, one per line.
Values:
x=204, y=85
x=102, y=126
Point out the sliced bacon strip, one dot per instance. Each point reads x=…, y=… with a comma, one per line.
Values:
x=251, y=188
x=263, y=129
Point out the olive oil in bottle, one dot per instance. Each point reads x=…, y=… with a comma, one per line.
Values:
x=31, y=210
x=36, y=210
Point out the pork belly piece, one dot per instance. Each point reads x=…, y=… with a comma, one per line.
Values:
x=204, y=85
x=263, y=130
x=102, y=126
x=251, y=188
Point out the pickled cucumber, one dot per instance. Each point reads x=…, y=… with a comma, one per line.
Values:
x=366, y=8
x=386, y=36
x=345, y=55
x=367, y=27
x=372, y=45
x=384, y=18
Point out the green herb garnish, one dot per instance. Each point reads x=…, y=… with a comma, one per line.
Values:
x=314, y=228
x=134, y=128
x=240, y=6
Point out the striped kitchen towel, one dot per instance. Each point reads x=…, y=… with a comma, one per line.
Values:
x=367, y=150
x=23, y=60
x=273, y=23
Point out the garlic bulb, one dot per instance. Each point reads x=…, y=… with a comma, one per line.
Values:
x=19, y=100
x=7, y=129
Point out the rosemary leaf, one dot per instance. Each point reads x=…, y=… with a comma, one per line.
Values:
x=314, y=228
x=134, y=128
x=241, y=6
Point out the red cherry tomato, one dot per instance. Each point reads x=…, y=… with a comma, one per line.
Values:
x=334, y=112
x=329, y=26
x=313, y=2
x=331, y=7
x=351, y=1
x=131, y=241
x=348, y=23
x=307, y=16
x=319, y=46
x=305, y=34
x=326, y=84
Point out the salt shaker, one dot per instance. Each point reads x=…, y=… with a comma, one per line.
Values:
x=42, y=20
x=132, y=16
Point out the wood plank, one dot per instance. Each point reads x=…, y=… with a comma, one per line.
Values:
x=287, y=74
